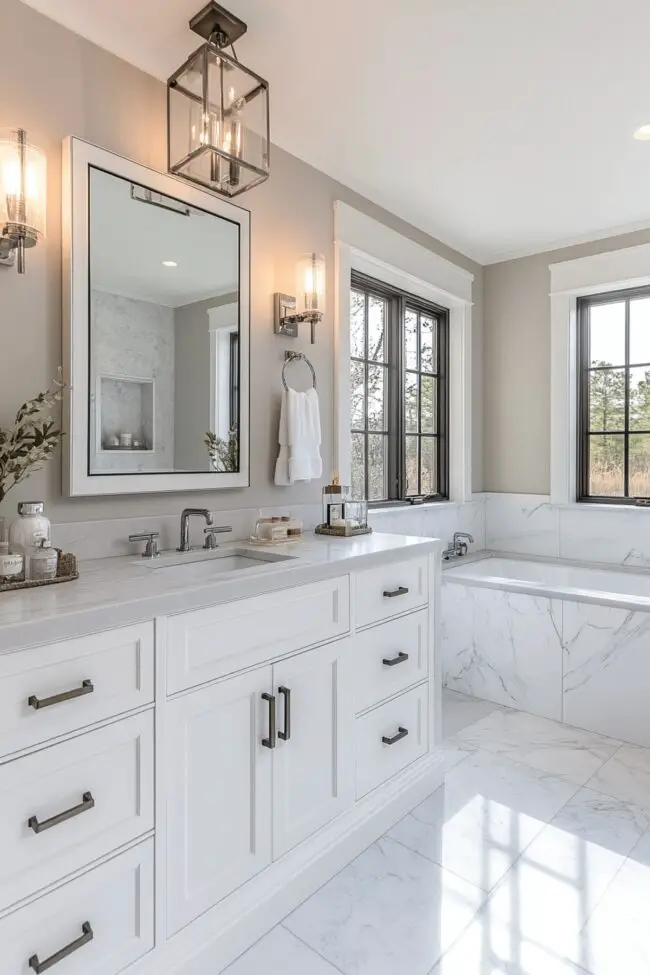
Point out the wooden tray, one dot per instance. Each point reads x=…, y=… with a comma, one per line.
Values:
x=66, y=571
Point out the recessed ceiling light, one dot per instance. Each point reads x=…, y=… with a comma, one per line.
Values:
x=643, y=133
x=174, y=264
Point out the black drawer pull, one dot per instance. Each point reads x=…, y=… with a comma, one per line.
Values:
x=42, y=966
x=46, y=702
x=401, y=658
x=400, y=591
x=87, y=802
x=401, y=733
x=270, y=742
x=286, y=693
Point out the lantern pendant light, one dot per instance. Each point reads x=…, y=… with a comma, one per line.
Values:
x=218, y=111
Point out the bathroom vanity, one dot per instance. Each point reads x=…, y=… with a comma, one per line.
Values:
x=188, y=750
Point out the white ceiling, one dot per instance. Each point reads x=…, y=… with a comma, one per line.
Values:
x=129, y=240
x=499, y=126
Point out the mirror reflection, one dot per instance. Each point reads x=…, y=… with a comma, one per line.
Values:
x=164, y=333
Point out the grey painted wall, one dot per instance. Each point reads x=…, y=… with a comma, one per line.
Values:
x=517, y=377
x=73, y=87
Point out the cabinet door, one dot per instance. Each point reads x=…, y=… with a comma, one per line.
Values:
x=313, y=768
x=218, y=793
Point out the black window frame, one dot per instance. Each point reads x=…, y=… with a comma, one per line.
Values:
x=397, y=301
x=584, y=432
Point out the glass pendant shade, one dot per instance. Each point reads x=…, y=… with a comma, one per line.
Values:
x=23, y=184
x=218, y=122
x=310, y=288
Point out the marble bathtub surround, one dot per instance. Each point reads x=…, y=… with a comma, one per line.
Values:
x=571, y=868
x=575, y=654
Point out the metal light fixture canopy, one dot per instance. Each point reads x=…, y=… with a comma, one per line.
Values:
x=218, y=133
x=23, y=187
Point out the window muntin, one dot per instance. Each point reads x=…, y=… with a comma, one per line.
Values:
x=398, y=394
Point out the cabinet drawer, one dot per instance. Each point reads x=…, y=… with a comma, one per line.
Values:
x=389, y=658
x=391, y=589
x=376, y=759
x=65, y=806
x=90, y=678
x=212, y=642
x=102, y=920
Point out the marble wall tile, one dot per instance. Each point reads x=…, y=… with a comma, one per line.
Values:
x=434, y=521
x=607, y=670
x=526, y=524
x=591, y=534
x=504, y=647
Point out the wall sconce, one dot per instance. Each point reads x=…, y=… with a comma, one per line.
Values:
x=23, y=182
x=218, y=111
x=310, y=304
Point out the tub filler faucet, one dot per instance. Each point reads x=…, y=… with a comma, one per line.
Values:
x=458, y=547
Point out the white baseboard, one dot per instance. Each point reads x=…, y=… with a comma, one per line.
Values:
x=215, y=939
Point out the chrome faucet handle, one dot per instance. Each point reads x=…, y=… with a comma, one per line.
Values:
x=151, y=548
x=211, y=531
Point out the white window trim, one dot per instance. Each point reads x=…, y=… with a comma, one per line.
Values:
x=612, y=271
x=365, y=245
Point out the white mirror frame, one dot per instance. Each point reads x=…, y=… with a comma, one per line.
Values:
x=78, y=156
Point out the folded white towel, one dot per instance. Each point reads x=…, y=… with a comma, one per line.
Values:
x=299, y=437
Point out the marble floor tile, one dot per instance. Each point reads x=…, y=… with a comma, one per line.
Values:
x=459, y=711
x=556, y=885
x=616, y=939
x=389, y=912
x=571, y=753
x=483, y=817
x=626, y=775
x=489, y=947
x=280, y=951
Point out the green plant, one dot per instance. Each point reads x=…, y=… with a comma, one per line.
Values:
x=224, y=454
x=25, y=447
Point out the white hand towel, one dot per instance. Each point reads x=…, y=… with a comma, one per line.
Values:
x=282, y=463
x=300, y=429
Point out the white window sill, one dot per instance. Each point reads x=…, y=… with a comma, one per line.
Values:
x=428, y=505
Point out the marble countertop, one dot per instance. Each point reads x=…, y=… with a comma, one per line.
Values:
x=118, y=591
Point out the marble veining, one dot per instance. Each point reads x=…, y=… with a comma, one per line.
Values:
x=504, y=647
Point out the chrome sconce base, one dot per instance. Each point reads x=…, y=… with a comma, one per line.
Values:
x=286, y=323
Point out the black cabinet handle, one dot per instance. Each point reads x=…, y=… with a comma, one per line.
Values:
x=87, y=802
x=270, y=742
x=401, y=733
x=401, y=658
x=286, y=693
x=42, y=966
x=47, y=702
x=391, y=593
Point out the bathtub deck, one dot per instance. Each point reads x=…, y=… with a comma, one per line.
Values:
x=532, y=859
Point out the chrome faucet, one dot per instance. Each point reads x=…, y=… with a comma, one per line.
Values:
x=458, y=547
x=185, y=525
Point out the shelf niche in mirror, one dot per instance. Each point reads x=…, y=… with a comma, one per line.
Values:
x=157, y=287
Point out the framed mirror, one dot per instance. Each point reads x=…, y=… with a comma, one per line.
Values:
x=157, y=331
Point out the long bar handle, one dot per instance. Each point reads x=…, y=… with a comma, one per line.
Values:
x=401, y=733
x=87, y=687
x=401, y=658
x=286, y=693
x=42, y=966
x=270, y=742
x=391, y=593
x=87, y=802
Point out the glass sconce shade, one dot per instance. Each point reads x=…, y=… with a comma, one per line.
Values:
x=218, y=122
x=311, y=284
x=23, y=183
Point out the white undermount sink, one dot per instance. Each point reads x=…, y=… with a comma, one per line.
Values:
x=199, y=565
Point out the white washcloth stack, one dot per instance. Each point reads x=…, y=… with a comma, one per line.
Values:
x=299, y=437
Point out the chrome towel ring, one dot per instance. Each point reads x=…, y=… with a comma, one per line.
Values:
x=290, y=357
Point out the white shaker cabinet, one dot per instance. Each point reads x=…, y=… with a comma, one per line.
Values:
x=218, y=793
x=313, y=766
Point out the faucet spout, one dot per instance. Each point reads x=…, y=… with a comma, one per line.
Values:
x=186, y=514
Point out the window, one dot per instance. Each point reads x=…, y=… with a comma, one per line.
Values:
x=398, y=394
x=614, y=397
